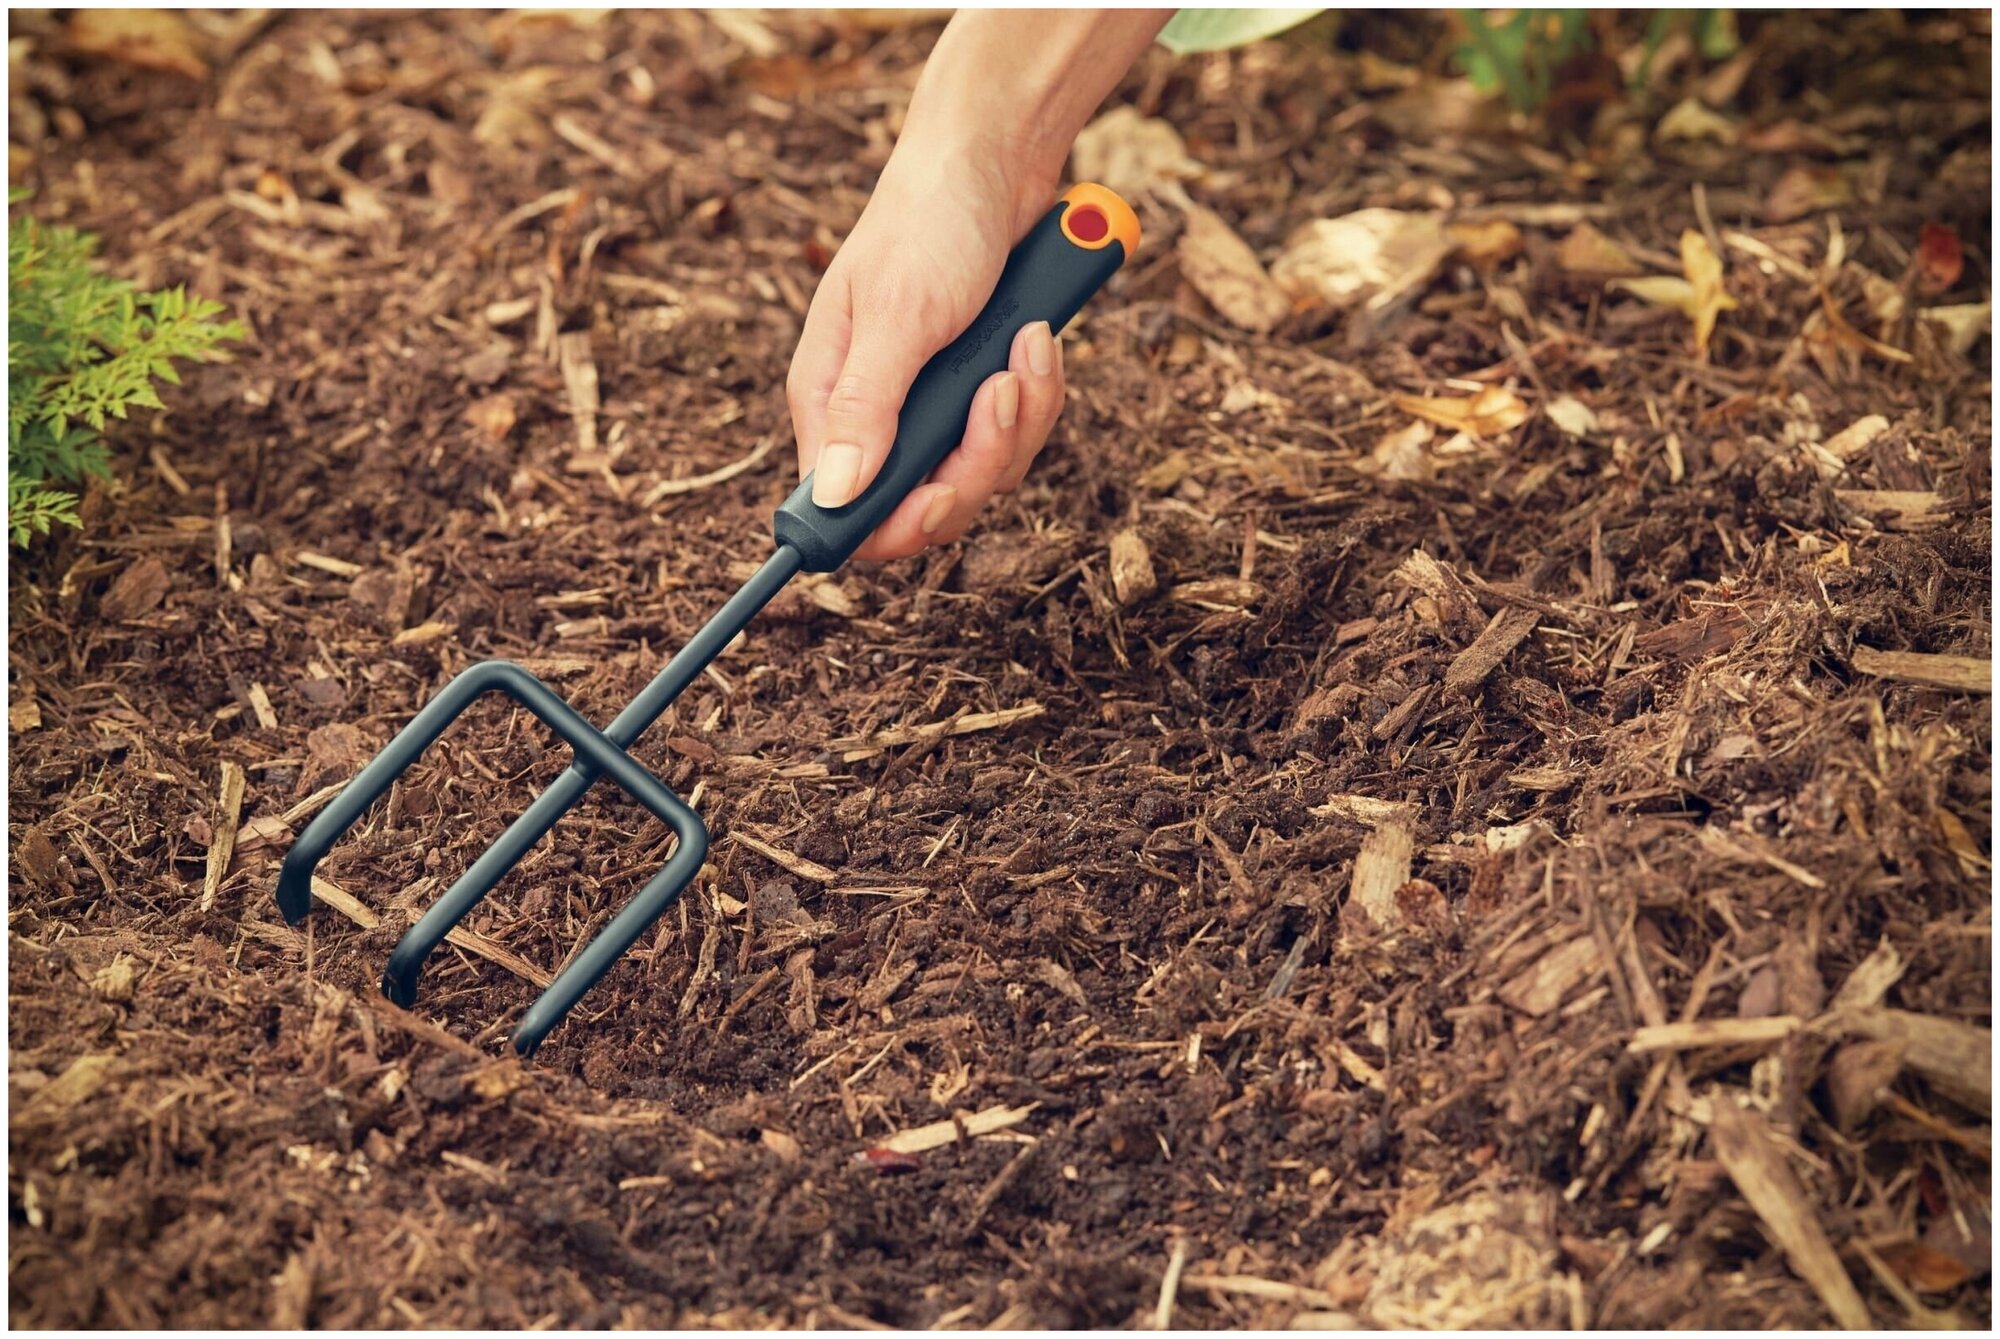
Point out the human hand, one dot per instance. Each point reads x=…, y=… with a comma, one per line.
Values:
x=988, y=130
x=913, y=274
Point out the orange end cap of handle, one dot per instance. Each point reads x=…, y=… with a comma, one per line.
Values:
x=1096, y=218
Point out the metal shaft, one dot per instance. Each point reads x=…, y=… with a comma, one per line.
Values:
x=399, y=981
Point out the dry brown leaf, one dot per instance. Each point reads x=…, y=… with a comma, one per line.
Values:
x=1132, y=153
x=1699, y=295
x=1751, y=1155
x=1586, y=251
x=148, y=39
x=1485, y=245
x=1224, y=269
x=1704, y=273
x=1488, y=414
x=1963, y=323
x=1372, y=256
x=1572, y=415
x=1691, y=119
x=493, y=415
x=1806, y=190
x=1401, y=454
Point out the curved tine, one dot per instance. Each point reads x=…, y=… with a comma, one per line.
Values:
x=295, y=875
x=611, y=943
x=596, y=756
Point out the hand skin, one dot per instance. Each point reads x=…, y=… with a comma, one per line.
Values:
x=989, y=128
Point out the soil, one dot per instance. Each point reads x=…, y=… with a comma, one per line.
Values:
x=1328, y=909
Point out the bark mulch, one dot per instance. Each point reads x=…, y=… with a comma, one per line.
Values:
x=1530, y=877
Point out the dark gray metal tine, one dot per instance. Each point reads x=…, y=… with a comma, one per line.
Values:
x=421, y=940
x=610, y=945
x=295, y=874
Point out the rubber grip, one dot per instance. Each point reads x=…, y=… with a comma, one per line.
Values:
x=1048, y=277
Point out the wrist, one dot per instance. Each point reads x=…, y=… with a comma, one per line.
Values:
x=1010, y=90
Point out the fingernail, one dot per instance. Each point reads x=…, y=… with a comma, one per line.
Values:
x=939, y=509
x=836, y=476
x=1041, y=349
x=1007, y=400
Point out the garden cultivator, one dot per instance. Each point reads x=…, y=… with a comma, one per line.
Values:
x=1064, y=259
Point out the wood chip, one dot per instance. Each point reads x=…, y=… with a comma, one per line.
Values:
x=1552, y=977
x=855, y=748
x=1752, y=1157
x=579, y=374
x=137, y=592
x=423, y=634
x=1868, y=984
x=1132, y=576
x=339, y=567
x=1897, y=508
x=1956, y=1058
x=260, y=704
x=1959, y=674
x=1269, y=1289
x=938, y=1134
x=1855, y=438
x=85, y=1075
x=1507, y=630
x=680, y=487
x=1365, y=809
x=352, y=907
x=484, y=1171
x=1703, y=1032
x=1381, y=867
x=228, y=813
x=1750, y=851
x=797, y=864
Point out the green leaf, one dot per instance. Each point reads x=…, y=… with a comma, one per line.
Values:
x=82, y=348
x=1192, y=30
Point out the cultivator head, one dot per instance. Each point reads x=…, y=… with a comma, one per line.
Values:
x=1063, y=260
x=598, y=753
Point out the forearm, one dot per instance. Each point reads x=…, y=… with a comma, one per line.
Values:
x=1017, y=85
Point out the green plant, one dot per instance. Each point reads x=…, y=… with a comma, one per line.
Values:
x=82, y=348
x=1519, y=51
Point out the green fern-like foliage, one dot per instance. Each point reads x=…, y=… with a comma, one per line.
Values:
x=82, y=348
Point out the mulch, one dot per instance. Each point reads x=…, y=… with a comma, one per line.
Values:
x=1505, y=886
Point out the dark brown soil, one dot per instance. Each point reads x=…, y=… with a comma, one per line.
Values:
x=1660, y=788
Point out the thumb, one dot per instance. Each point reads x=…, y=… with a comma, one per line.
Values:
x=859, y=426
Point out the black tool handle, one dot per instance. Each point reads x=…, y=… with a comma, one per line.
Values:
x=1062, y=261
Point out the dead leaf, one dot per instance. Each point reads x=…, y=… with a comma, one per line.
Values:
x=1401, y=454
x=1586, y=251
x=1372, y=256
x=1704, y=273
x=1690, y=120
x=1485, y=245
x=492, y=415
x=1963, y=324
x=147, y=39
x=790, y=75
x=1940, y=258
x=1488, y=414
x=1132, y=153
x=1572, y=415
x=137, y=591
x=1222, y=268
x=1806, y=190
x=1794, y=136
x=1925, y=1269
x=1699, y=295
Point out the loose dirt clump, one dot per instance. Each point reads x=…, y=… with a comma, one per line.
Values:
x=1517, y=856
